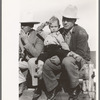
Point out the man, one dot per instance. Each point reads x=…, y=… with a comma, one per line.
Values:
x=77, y=38
x=30, y=47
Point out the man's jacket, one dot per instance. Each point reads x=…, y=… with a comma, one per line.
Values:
x=79, y=41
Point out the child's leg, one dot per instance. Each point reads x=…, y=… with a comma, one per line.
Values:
x=42, y=58
x=61, y=53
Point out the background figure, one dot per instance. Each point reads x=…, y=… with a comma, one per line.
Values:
x=30, y=46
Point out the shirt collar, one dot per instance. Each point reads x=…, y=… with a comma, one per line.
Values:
x=71, y=30
x=67, y=31
x=57, y=33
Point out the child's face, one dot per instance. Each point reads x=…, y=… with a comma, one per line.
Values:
x=54, y=27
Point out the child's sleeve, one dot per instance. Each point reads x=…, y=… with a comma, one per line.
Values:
x=39, y=28
x=61, y=41
x=40, y=31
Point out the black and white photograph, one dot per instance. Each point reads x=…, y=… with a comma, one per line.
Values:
x=69, y=71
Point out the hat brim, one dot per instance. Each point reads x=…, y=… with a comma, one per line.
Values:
x=30, y=22
x=70, y=17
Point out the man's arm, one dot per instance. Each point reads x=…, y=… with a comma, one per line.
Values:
x=82, y=43
x=33, y=49
x=21, y=45
x=36, y=49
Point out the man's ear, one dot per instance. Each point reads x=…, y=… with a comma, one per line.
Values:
x=22, y=27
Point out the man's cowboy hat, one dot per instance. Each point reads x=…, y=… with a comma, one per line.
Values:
x=70, y=12
x=28, y=17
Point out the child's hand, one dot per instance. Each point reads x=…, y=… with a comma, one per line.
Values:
x=47, y=23
x=40, y=28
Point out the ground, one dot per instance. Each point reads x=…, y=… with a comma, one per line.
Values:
x=28, y=95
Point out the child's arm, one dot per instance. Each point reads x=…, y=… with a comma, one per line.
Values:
x=40, y=31
x=61, y=41
x=42, y=26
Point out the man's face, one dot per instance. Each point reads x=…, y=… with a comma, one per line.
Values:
x=54, y=27
x=26, y=28
x=67, y=23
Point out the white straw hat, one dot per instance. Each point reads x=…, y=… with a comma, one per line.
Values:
x=70, y=12
x=27, y=17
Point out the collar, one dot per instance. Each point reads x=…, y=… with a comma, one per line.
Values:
x=65, y=32
x=57, y=33
x=71, y=30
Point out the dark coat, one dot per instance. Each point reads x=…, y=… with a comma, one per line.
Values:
x=79, y=41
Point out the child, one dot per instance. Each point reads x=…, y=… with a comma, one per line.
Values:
x=54, y=44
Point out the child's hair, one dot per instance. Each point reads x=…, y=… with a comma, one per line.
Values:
x=53, y=19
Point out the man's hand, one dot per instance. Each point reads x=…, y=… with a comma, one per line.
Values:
x=24, y=36
x=39, y=73
x=78, y=58
x=21, y=55
x=74, y=55
x=55, y=60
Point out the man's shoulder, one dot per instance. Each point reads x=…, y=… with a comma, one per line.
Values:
x=78, y=28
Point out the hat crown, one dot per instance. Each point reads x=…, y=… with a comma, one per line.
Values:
x=70, y=12
x=27, y=17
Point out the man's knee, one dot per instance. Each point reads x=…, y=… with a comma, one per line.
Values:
x=32, y=65
x=47, y=64
x=68, y=61
x=51, y=66
x=21, y=77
